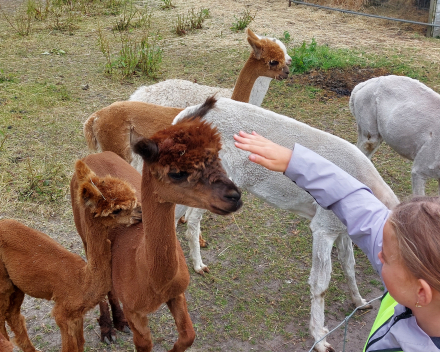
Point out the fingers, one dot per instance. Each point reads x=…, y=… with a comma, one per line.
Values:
x=263, y=151
x=261, y=161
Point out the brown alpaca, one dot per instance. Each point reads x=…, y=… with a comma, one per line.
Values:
x=33, y=263
x=181, y=165
x=5, y=345
x=111, y=128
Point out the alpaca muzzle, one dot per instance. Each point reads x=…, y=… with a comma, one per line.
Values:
x=284, y=74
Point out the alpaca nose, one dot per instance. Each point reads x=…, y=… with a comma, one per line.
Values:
x=233, y=196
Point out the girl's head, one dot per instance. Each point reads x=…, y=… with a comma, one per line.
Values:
x=416, y=227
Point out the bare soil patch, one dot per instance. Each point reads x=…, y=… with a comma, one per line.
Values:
x=339, y=81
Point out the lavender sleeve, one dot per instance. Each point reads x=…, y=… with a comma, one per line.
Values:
x=351, y=201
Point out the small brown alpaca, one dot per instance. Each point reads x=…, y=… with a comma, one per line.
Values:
x=33, y=263
x=5, y=345
x=181, y=165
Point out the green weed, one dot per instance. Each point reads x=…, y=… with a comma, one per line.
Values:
x=144, y=56
x=6, y=78
x=150, y=56
x=129, y=12
x=192, y=20
x=63, y=17
x=20, y=21
x=243, y=21
x=38, y=9
x=167, y=4
x=43, y=183
x=306, y=57
x=286, y=39
x=3, y=137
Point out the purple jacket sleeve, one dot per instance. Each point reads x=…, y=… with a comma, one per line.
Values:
x=351, y=201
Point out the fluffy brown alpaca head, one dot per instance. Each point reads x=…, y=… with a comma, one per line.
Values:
x=185, y=167
x=111, y=199
x=268, y=55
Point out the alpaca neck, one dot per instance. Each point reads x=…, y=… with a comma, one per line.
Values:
x=259, y=90
x=97, y=280
x=245, y=82
x=159, y=235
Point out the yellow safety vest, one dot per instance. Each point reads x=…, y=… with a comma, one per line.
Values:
x=386, y=311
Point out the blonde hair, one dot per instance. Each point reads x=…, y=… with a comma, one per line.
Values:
x=416, y=224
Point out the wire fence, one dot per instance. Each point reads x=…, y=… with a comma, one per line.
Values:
x=362, y=14
x=347, y=318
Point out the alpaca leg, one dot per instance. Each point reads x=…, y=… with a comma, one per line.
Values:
x=141, y=332
x=79, y=328
x=418, y=184
x=193, y=218
x=194, y=225
x=183, y=321
x=68, y=328
x=108, y=334
x=418, y=180
x=17, y=322
x=179, y=212
x=319, y=279
x=426, y=165
x=119, y=321
x=6, y=290
x=346, y=258
x=5, y=345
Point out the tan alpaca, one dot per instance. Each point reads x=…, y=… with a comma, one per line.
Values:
x=32, y=263
x=111, y=127
x=268, y=60
x=148, y=266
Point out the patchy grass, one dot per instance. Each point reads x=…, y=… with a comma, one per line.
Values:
x=242, y=21
x=256, y=295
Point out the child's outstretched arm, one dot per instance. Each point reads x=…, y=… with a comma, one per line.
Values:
x=332, y=188
x=264, y=152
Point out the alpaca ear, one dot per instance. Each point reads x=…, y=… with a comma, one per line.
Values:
x=147, y=149
x=89, y=194
x=82, y=171
x=255, y=43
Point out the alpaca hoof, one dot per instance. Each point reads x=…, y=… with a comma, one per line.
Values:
x=108, y=338
x=324, y=347
x=203, y=269
x=121, y=325
x=368, y=306
x=182, y=220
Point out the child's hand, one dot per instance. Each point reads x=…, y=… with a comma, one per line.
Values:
x=264, y=152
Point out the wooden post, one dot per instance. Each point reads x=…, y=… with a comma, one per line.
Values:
x=434, y=18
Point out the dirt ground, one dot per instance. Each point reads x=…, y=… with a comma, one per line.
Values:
x=338, y=82
x=273, y=18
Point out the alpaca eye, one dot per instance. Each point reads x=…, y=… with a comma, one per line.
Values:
x=273, y=63
x=116, y=212
x=178, y=176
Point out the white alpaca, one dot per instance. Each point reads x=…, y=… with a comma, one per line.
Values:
x=405, y=114
x=230, y=117
x=251, y=86
x=109, y=128
x=180, y=93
